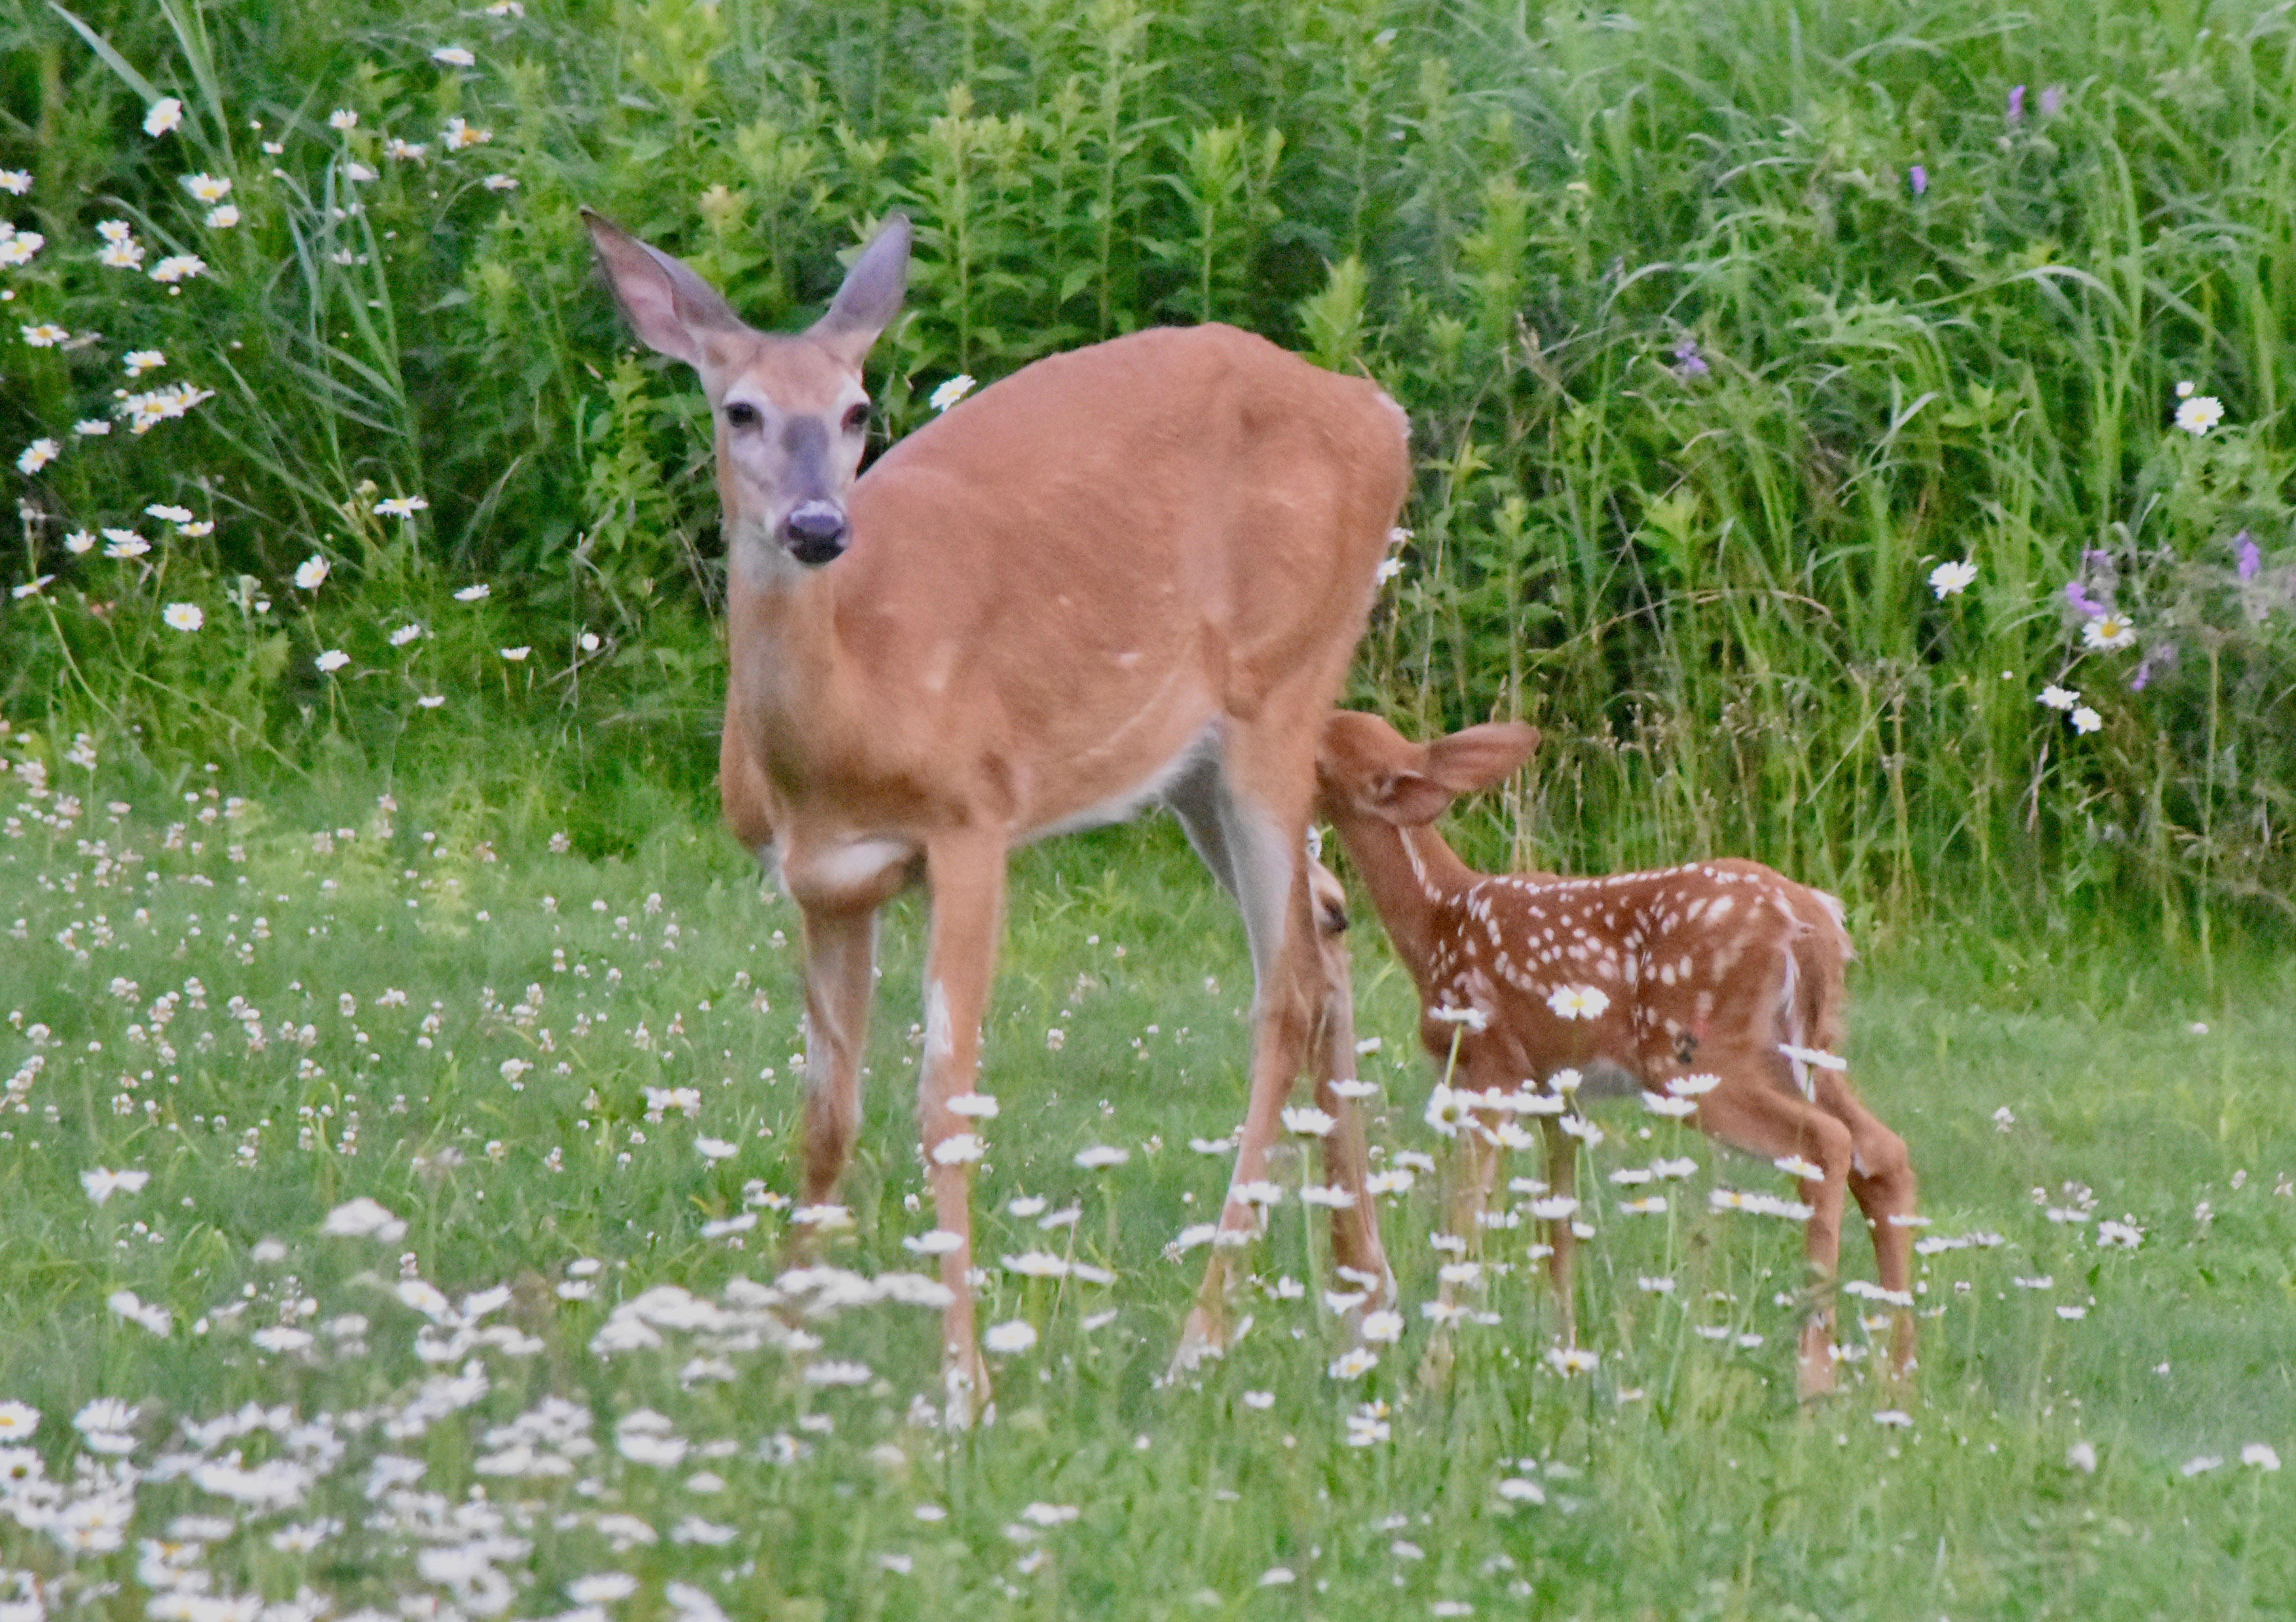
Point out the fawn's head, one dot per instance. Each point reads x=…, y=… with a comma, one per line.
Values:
x=790, y=410
x=1364, y=765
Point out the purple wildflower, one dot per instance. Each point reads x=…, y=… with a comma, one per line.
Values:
x=2053, y=101
x=1918, y=179
x=2158, y=659
x=2245, y=559
x=1688, y=362
x=2017, y=103
x=2083, y=603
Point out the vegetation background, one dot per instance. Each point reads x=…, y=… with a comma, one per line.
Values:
x=1720, y=327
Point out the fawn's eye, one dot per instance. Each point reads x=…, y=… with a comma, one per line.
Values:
x=741, y=413
x=857, y=418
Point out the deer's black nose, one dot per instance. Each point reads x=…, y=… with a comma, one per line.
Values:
x=815, y=532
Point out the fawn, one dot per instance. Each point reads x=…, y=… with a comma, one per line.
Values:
x=1717, y=984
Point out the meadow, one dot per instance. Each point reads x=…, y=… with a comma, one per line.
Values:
x=543, y=1373
x=1855, y=433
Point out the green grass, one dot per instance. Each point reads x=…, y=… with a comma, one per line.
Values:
x=1709, y=1493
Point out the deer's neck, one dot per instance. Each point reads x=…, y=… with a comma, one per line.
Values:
x=1414, y=879
x=791, y=676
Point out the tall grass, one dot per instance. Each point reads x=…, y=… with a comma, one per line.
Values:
x=1705, y=383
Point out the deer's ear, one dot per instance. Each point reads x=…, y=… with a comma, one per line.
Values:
x=1408, y=798
x=1478, y=757
x=669, y=306
x=870, y=296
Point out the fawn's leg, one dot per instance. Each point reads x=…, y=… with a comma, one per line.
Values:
x=1752, y=1111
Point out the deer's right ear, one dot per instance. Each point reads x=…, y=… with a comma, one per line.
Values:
x=1476, y=756
x=668, y=306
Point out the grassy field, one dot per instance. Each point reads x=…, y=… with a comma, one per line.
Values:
x=572, y=1078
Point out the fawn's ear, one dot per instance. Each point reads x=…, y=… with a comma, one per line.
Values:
x=1407, y=798
x=1478, y=757
x=870, y=296
x=669, y=306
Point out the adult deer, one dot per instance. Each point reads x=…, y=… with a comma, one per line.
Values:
x=1131, y=573
x=1716, y=985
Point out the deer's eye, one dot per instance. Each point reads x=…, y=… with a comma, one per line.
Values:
x=741, y=413
x=857, y=418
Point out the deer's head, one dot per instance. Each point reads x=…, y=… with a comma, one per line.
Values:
x=790, y=411
x=1364, y=766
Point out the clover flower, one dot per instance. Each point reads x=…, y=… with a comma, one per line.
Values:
x=1918, y=179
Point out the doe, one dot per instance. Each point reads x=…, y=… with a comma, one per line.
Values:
x=1717, y=984
x=1130, y=573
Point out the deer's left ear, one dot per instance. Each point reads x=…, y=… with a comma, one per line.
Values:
x=870, y=296
x=1408, y=798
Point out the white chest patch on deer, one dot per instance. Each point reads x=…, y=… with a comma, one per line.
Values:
x=857, y=865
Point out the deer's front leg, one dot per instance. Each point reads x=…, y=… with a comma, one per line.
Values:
x=1562, y=1183
x=966, y=876
x=1355, y=1248
x=839, y=960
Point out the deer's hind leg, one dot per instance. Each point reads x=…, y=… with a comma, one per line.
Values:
x=1253, y=837
x=1756, y=1109
x=1881, y=1181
